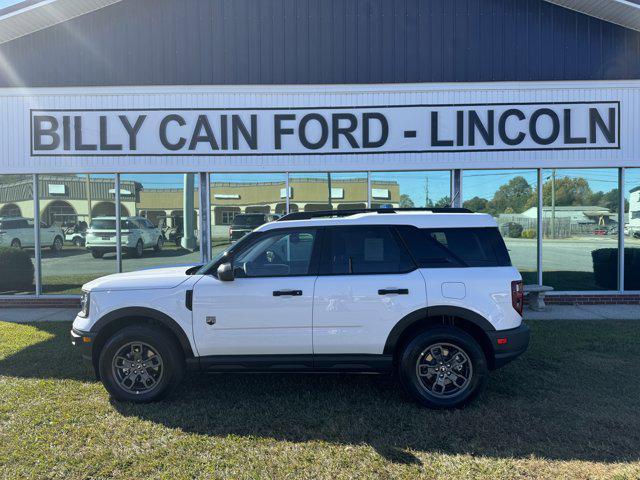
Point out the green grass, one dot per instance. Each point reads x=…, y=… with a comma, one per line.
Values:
x=569, y=408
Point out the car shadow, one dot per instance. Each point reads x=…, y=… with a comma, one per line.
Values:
x=555, y=402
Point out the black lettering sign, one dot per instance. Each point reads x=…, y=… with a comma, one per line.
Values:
x=40, y=131
x=180, y=143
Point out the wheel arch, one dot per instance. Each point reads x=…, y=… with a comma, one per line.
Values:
x=467, y=320
x=113, y=321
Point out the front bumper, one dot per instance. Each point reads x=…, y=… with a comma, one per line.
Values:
x=83, y=341
x=508, y=344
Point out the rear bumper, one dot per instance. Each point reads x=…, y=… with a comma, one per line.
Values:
x=83, y=342
x=509, y=344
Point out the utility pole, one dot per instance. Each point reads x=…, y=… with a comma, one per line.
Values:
x=329, y=186
x=426, y=192
x=553, y=203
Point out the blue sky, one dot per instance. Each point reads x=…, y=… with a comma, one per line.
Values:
x=6, y=3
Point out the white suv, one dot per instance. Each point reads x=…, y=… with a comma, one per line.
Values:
x=137, y=233
x=430, y=295
x=18, y=232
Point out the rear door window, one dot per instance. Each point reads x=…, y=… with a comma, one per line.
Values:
x=456, y=247
x=367, y=249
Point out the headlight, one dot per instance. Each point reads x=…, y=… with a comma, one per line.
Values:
x=84, y=304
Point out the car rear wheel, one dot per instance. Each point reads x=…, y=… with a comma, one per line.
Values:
x=159, y=244
x=443, y=367
x=15, y=243
x=138, y=250
x=140, y=364
x=56, y=246
x=96, y=254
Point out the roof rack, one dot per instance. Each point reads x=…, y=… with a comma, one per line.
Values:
x=347, y=213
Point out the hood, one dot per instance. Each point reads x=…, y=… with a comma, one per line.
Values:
x=153, y=278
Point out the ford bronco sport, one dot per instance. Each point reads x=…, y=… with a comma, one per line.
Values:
x=430, y=295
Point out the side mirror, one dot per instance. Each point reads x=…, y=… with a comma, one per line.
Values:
x=225, y=272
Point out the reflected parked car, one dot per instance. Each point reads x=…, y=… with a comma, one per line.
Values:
x=137, y=233
x=18, y=232
x=245, y=223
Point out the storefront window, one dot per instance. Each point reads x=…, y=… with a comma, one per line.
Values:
x=241, y=202
x=510, y=196
x=411, y=189
x=68, y=205
x=312, y=192
x=632, y=229
x=159, y=220
x=580, y=229
x=16, y=235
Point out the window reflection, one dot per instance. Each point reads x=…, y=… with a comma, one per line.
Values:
x=510, y=196
x=632, y=229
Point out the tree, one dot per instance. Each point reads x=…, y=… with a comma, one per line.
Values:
x=477, y=204
x=568, y=191
x=515, y=195
x=608, y=200
x=444, y=202
x=405, y=201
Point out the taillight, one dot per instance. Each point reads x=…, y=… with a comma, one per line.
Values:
x=230, y=231
x=517, y=296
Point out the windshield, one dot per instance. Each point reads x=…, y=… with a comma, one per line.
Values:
x=207, y=266
x=106, y=224
x=249, y=220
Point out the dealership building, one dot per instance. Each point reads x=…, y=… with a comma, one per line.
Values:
x=528, y=110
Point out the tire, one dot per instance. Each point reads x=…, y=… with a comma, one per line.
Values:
x=56, y=246
x=97, y=254
x=78, y=242
x=138, y=250
x=466, y=365
x=159, y=244
x=15, y=243
x=116, y=375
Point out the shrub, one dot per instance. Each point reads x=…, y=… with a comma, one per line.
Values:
x=605, y=268
x=16, y=269
x=514, y=230
x=529, y=233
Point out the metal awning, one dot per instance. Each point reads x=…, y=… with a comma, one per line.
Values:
x=621, y=12
x=30, y=16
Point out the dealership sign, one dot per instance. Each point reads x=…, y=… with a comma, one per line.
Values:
x=326, y=130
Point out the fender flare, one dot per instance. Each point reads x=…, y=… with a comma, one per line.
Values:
x=436, y=311
x=151, y=313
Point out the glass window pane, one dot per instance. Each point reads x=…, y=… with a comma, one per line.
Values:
x=411, y=189
x=68, y=204
x=240, y=202
x=510, y=196
x=312, y=192
x=632, y=230
x=16, y=235
x=363, y=250
x=580, y=222
x=154, y=220
x=277, y=255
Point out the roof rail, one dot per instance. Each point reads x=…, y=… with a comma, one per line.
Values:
x=347, y=213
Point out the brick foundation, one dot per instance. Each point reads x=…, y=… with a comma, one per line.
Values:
x=43, y=302
x=574, y=299
x=592, y=299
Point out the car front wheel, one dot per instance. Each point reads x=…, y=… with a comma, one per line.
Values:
x=443, y=367
x=15, y=243
x=159, y=244
x=56, y=246
x=140, y=364
x=138, y=250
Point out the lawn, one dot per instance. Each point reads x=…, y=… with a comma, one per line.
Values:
x=569, y=408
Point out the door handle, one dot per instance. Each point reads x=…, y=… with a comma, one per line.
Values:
x=292, y=293
x=389, y=291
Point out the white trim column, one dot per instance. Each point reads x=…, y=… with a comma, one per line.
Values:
x=621, y=208
x=368, y=189
x=118, y=229
x=36, y=235
x=287, y=193
x=205, y=218
x=539, y=235
x=456, y=188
